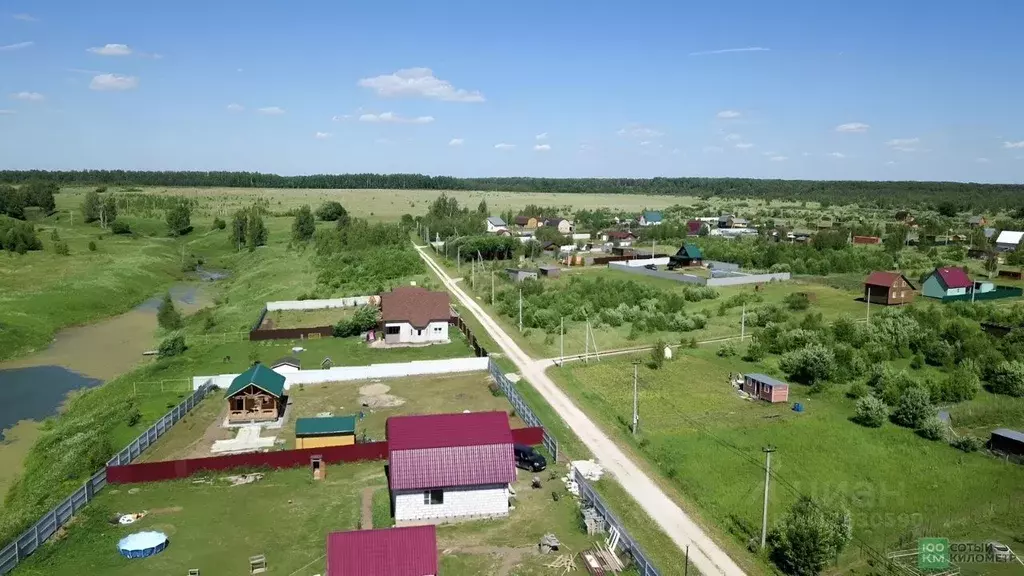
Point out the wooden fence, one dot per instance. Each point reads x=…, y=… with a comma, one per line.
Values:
x=478, y=350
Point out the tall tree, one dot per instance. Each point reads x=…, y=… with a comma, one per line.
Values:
x=91, y=206
x=482, y=207
x=255, y=230
x=895, y=239
x=332, y=211
x=812, y=534
x=167, y=316
x=109, y=210
x=179, y=219
x=304, y=225
x=239, y=227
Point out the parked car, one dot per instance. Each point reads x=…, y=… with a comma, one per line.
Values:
x=529, y=459
x=651, y=267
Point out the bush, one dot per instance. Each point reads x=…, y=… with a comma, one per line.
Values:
x=120, y=227
x=61, y=248
x=755, y=351
x=92, y=245
x=812, y=535
x=858, y=390
x=331, y=212
x=167, y=316
x=917, y=362
x=133, y=416
x=913, y=408
x=871, y=412
x=172, y=346
x=932, y=429
x=963, y=384
x=304, y=225
x=727, y=350
x=797, y=301
x=657, y=355
x=967, y=443
x=219, y=224
x=811, y=364
x=1008, y=378
x=365, y=318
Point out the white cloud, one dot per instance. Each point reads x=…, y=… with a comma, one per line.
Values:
x=29, y=96
x=541, y=136
x=271, y=110
x=235, y=107
x=837, y=154
x=341, y=117
x=728, y=114
x=982, y=160
x=733, y=137
x=391, y=117
x=904, y=144
x=456, y=142
x=25, y=18
x=714, y=149
x=645, y=143
x=542, y=147
x=17, y=46
x=858, y=127
x=7, y=112
x=744, y=145
x=779, y=158
x=151, y=56
x=730, y=51
x=890, y=163
x=111, y=50
x=419, y=82
x=584, y=147
x=504, y=146
x=639, y=131
x=113, y=82
x=1009, y=145
x=322, y=135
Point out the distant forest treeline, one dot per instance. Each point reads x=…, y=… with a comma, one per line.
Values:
x=881, y=194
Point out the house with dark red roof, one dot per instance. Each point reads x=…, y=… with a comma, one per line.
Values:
x=410, y=551
x=946, y=282
x=888, y=288
x=412, y=314
x=618, y=237
x=446, y=467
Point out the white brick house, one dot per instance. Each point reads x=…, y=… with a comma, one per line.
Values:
x=415, y=315
x=446, y=467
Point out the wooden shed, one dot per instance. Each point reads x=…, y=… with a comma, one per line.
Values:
x=1007, y=441
x=322, y=432
x=888, y=288
x=766, y=388
x=255, y=396
x=550, y=271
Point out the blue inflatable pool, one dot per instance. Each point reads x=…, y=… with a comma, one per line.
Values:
x=142, y=544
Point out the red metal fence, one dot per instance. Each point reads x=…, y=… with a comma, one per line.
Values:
x=172, y=469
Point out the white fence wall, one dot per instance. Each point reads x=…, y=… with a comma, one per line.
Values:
x=318, y=304
x=373, y=371
x=738, y=280
x=749, y=279
x=645, y=261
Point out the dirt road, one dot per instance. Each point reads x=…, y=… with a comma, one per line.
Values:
x=704, y=553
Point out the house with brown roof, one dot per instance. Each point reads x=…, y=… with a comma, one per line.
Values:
x=409, y=551
x=526, y=222
x=411, y=314
x=888, y=288
x=446, y=467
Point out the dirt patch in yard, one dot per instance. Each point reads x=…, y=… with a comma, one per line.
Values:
x=376, y=396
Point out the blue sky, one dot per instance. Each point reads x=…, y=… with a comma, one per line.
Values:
x=797, y=89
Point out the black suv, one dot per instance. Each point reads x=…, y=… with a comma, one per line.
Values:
x=529, y=459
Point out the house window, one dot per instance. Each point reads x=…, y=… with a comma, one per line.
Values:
x=433, y=497
x=239, y=404
x=437, y=329
x=393, y=330
x=419, y=332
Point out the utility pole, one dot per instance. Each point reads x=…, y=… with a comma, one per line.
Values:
x=561, y=341
x=636, y=365
x=458, y=256
x=743, y=322
x=867, y=300
x=767, y=476
x=492, y=287
x=586, y=344
x=520, y=309
x=686, y=566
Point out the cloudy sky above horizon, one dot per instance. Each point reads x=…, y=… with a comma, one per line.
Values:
x=802, y=89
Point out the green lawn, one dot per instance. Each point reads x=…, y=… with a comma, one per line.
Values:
x=707, y=443
x=287, y=516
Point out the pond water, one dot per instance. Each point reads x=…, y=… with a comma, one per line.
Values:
x=80, y=357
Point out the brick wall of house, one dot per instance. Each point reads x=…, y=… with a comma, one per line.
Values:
x=479, y=501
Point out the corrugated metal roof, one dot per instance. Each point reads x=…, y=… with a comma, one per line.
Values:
x=410, y=551
x=953, y=277
x=261, y=377
x=447, y=450
x=764, y=378
x=496, y=221
x=1007, y=433
x=1010, y=237
x=325, y=426
x=885, y=279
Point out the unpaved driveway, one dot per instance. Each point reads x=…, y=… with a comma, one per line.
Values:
x=704, y=553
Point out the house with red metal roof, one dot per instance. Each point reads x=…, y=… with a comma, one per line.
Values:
x=410, y=551
x=946, y=282
x=888, y=288
x=445, y=467
x=412, y=314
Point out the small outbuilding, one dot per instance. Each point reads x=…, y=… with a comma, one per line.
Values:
x=527, y=222
x=1007, y=441
x=946, y=282
x=651, y=218
x=517, y=275
x=323, y=432
x=867, y=240
x=286, y=365
x=550, y=271
x=256, y=396
x=410, y=551
x=688, y=255
x=888, y=289
x=495, y=225
x=1009, y=240
x=765, y=387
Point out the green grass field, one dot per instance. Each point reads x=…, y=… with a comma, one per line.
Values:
x=706, y=442
x=286, y=516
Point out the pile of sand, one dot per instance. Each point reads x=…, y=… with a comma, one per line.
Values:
x=376, y=396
